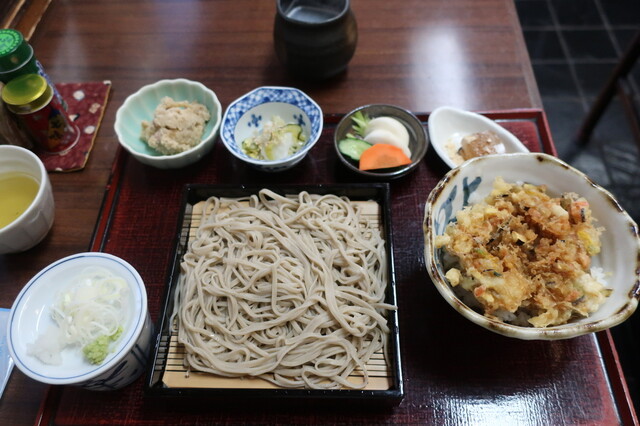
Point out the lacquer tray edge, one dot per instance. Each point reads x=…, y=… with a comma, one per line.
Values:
x=604, y=339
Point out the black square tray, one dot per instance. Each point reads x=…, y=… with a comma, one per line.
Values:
x=193, y=194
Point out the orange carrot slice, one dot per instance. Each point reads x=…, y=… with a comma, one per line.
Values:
x=382, y=156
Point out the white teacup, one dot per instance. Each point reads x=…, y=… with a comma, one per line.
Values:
x=34, y=223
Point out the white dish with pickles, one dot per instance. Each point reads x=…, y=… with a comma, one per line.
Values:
x=458, y=135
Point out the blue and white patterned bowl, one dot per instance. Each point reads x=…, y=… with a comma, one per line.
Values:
x=141, y=105
x=30, y=317
x=247, y=114
x=620, y=252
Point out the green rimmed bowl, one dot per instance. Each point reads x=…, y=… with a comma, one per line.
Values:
x=141, y=105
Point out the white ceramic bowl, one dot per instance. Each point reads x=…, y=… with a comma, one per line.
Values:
x=247, y=114
x=620, y=251
x=30, y=317
x=34, y=223
x=418, y=141
x=448, y=125
x=141, y=105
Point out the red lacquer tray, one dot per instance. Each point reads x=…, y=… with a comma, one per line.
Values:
x=454, y=371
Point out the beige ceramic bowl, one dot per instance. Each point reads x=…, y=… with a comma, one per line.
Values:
x=35, y=222
x=619, y=257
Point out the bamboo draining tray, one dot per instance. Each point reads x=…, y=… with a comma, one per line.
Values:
x=176, y=376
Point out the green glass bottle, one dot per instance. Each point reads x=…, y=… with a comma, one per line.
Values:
x=17, y=58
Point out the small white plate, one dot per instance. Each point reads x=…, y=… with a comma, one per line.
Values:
x=448, y=125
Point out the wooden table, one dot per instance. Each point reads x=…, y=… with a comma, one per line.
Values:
x=419, y=54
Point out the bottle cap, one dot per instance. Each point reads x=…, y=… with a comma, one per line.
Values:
x=14, y=50
x=29, y=90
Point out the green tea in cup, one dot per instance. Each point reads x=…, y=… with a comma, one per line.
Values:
x=27, y=208
x=17, y=192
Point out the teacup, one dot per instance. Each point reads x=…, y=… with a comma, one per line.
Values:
x=26, y=201
x=315, y=39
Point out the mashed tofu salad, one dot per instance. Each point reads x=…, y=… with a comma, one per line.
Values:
x=177, y=126
x=524, y=257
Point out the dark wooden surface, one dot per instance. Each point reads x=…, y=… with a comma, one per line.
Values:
x=22, y=15
x=417, y=54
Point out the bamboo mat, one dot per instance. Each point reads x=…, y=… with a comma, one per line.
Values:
x=171, y=353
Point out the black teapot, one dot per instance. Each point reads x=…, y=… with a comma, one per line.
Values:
x=315, y=39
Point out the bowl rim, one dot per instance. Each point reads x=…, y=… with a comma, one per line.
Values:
x=284, y=14
x=122, y=351
x=42, y=185
x=292, y=158
x=563, y=331
x=160, y=83
x=384, y=175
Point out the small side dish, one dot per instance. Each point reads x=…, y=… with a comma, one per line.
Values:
x=458, y=136
x=524, y=257
x=474, y=145
x=178, y=137
x=276, y=140
x=271, y=128
x=177, y=126
x=380, y=141
x=377, y=143
x=82, y=321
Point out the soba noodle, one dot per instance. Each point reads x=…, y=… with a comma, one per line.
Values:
x=289, y=289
